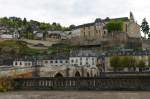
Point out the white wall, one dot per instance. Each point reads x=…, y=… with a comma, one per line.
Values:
x=54, y=63
x=22, y=63
x=83, y=61
x=6, y=36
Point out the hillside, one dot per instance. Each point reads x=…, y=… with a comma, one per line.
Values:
x=12, y=47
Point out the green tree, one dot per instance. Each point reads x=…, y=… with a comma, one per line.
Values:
x=115, y=62
x=148, y=60
x=145, y=27
x=114, y=26
x=141, y=63
x=125, y=61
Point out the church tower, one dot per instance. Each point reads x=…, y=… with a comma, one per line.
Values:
x=131, y=16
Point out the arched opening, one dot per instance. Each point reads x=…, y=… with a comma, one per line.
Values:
x=58, y=75
x=77, y=74
x=88, y=75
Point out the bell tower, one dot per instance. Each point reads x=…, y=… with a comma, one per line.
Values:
x=131, y=16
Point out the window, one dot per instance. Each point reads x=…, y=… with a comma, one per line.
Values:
x=61, y=61
x=51, y=61
x=89, y=34
x=16, y=63
x=80, y=58
x=86, y=59
x=66, y=61
x=76, y=60
x=84, y=34
x=26, y=64
x=104, y=32
x=46, y=62
x=80, y=63
x=20, y=63
x=56, y=61
x=72, y=61
x=29, y=64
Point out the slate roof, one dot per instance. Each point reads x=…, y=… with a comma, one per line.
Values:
x=102, y=20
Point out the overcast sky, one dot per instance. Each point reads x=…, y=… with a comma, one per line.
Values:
x=75, y=12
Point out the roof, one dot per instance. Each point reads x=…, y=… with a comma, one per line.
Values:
x=83, y=53
x=102, y=20
x=56, y=57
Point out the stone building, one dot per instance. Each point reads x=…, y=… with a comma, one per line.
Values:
x=83, y=58
x=96, y=33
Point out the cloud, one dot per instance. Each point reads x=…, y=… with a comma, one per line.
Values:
x=69, y=12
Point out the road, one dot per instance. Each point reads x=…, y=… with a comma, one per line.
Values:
x=74, y=95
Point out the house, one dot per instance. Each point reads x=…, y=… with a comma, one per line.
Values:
x=23, y=62
x=56, y=35
x=83, y=58
x=38, y=35
x=55, y=60
x=6, y=36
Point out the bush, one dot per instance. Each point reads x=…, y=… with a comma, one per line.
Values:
x=5, y=84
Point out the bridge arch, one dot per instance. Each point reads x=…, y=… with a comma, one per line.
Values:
x=58, y=75
x=77, y=74
x=88, y=75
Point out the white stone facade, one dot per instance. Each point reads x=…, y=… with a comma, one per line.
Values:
x=22, y=63
x=83, y=61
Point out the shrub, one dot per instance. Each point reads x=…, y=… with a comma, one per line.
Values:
x=5, y=84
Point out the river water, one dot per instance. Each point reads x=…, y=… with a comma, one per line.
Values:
x=75, y=95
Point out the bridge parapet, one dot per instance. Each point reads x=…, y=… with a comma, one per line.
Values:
x=82, y=83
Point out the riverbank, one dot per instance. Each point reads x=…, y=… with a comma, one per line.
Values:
x=75, y=95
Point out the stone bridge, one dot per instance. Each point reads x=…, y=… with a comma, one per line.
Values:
x=68, y=72
x=83, y=83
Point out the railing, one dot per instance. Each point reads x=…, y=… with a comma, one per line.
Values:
x=101, y=83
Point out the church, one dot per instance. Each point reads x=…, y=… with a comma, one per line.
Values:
x=97, y=33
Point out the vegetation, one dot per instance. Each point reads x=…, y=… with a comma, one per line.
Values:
x=61, y=48
x=115, y=63
x=149, y=60
x=114, y=26
x=5, y=84
x=145, y=28
x=121, y=62
x=12, y=48
x=26, y=28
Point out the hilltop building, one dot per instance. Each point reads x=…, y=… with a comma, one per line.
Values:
x=96, y=33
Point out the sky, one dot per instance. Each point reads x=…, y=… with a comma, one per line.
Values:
x=67, y=12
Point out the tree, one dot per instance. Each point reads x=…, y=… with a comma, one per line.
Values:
x=145, y=27
x=141, y=63
x=114, y=26
x=125, y=61
x=115, y=62
x=72, y=26
x=24, y=21
x=148, y=60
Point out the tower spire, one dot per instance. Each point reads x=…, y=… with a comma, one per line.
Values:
x=131, y=16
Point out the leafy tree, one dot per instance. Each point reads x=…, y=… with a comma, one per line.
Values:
x=145, y=27
x=125, y=61
x=72, y=26
x=149, y=60
x=141, y=63
x=115, y=62
x=114, y=26
x=24, y=21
